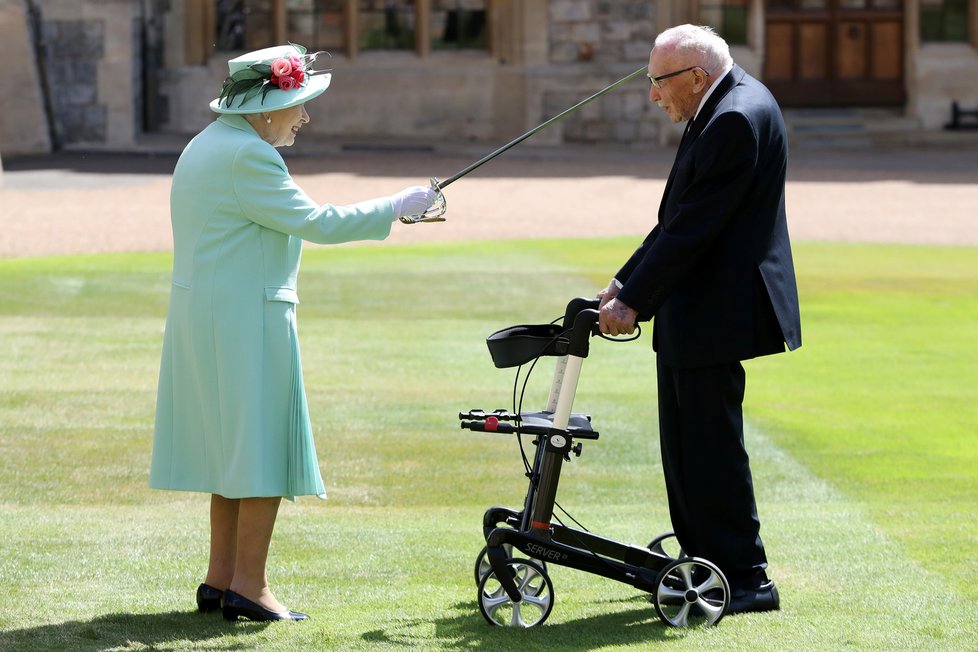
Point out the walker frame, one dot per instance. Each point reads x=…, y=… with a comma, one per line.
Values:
x=518, y=592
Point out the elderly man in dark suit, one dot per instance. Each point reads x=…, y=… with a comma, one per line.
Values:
x=716, y=273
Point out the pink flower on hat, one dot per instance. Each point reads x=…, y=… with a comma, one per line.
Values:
x=283, y=67
x=254, y=80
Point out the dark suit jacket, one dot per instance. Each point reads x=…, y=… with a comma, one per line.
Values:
x=716, y=271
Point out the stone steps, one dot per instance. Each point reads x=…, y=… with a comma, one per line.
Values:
x=868, y=127
x=854, y=127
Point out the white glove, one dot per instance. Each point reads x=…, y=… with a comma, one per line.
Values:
x=413, y=201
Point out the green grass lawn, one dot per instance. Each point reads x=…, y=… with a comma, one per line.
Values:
x=862, y=445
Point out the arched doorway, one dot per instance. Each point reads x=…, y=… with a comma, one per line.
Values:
x=835, y=52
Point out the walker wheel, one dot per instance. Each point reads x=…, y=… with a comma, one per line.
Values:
x=536, y=601
x=667, y=544
x=482, y=566
x=691, y=591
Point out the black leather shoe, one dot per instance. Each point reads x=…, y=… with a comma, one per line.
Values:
x=234, y=605
x=763, y=598
x=208, y=598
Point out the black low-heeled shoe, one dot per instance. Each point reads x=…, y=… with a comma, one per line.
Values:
x=208, y=598
x=234, y=605
x=763, y=598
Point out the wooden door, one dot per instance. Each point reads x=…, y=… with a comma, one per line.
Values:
x=835, y=52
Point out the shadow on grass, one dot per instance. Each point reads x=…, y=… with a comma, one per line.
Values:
x=467, y=630
x=172, y=630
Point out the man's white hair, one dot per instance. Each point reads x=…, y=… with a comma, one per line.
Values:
x=698, y=41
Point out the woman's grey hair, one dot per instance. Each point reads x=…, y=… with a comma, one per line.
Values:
x=699, y=41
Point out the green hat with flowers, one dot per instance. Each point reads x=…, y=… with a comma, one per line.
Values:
x=270, y=79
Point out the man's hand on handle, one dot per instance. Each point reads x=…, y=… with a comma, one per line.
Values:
x=614, y=317
x=608, y=293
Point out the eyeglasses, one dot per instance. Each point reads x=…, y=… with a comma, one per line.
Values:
x=655, y=81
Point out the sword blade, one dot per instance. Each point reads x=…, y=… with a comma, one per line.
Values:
x=516, y=141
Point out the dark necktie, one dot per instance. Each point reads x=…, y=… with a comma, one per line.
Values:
x=689, y=124
x=679, y=151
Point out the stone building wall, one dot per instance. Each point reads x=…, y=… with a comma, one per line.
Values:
x=607, y=31
x=942, y=73
x=588, y=37
x=104, y=73
x=88, y=70
x=534, y=73
x=72, y=51
x=23, y=121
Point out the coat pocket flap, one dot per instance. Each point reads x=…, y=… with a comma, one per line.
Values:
x=281, y=294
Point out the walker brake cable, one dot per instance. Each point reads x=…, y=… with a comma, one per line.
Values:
x=518, y=408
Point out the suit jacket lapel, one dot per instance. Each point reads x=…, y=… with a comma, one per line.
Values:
x=724, y=86
x=695, y=127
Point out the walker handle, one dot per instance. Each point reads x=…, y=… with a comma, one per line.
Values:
x=585, y=325
x=580, y=322
x=575, y=306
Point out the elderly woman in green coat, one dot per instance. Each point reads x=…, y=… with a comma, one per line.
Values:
x=232, y=419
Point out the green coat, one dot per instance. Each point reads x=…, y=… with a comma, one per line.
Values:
x=231, y=413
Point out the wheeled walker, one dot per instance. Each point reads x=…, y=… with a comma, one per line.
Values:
x=516, y=591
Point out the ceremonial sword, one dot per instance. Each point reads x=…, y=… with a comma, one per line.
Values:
x=437, y=209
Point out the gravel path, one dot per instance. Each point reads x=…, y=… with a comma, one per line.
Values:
x=75, y=203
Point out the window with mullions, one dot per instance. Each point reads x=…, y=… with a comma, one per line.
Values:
x=458, y=24
x=243, y=25
x=386, y=24
x=230, y=23
x=348, y=26
x=832, y=5
x=316, y=24
x=727, y=17
x=944, y=20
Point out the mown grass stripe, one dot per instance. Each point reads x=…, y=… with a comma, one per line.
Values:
x=392, y=344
